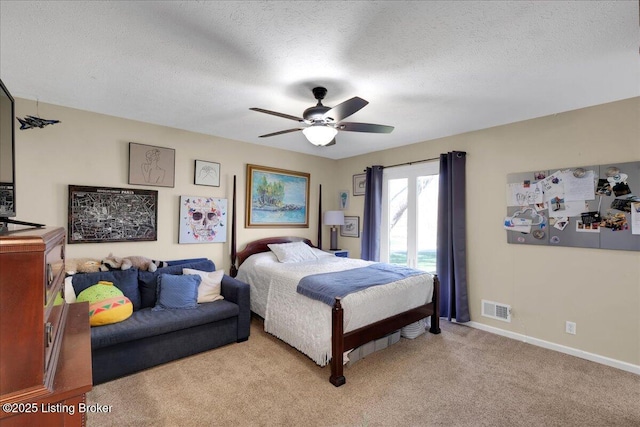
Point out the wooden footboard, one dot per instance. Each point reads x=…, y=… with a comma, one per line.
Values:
x=341, y=340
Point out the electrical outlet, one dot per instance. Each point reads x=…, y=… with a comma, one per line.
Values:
x=570, y=328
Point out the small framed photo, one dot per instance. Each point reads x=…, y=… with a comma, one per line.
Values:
x=150, y=165
x=351, y=227
x=359, y=183
x=343, y=199
x=207, y=173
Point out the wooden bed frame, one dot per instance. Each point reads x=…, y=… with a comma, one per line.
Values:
x=339, y=339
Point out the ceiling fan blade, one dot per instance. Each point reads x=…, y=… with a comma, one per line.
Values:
x=344, y=110
x=364, y=127
x=280, y=132
x=275, y=113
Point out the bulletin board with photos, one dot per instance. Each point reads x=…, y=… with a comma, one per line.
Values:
x=595, y=206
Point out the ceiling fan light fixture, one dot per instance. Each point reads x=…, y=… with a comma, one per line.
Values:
x=320, y=134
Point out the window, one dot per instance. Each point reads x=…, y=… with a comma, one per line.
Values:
x=410, y=216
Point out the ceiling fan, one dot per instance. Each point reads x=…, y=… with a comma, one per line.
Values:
x=325, y=122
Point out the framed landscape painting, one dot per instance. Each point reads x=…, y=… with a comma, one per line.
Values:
x=276, y=198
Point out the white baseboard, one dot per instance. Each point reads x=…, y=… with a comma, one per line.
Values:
x=634, y=369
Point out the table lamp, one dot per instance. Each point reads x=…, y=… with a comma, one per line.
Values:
x=334, y=218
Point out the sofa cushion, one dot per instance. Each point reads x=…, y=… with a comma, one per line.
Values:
x=147, y=322
x=177, y=292
x=125, y=280
x=149, y=284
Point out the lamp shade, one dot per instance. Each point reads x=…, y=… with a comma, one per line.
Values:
x=320, y=134
x=334, y=218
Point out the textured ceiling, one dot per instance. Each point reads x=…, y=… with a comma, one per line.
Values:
x=431, y=69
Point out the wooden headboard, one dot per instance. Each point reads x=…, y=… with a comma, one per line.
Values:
x=258, y=246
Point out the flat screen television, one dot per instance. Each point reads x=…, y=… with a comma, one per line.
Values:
x=8, y=162
x=7, y=159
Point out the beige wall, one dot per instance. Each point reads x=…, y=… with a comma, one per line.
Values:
x=545, y=286
x=597, y=289
x=93, y=149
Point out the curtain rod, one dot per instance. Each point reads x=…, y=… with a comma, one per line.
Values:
x=409, y=163
x=459, y=154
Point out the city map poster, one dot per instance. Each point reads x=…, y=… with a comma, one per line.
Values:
x=103, y=214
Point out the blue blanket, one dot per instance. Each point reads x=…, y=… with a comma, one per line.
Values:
x=326, y=287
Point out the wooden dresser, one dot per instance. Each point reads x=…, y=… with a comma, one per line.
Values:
x=45, y=343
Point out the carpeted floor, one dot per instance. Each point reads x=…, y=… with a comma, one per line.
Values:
x=462, y=377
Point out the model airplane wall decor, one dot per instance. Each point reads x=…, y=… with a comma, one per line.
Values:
x=30, y=122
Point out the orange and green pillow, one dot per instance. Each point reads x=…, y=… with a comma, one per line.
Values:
x=107, y=304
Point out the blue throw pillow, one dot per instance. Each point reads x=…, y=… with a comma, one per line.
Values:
x=148, y=281
x=125, y=280
x=177, y=291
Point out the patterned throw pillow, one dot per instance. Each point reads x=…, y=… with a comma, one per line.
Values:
x=177, y=291
x=107, y=304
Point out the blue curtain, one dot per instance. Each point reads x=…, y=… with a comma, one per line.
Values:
x=451, y=262
x=370, y=242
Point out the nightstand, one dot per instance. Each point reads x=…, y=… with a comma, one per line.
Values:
x=342, y=253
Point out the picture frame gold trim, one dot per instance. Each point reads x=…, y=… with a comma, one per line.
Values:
x=276, y=198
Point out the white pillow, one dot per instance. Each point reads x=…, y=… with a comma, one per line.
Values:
x=69, y=292
x=292, y=252
x=209, y=289
x=322, y=254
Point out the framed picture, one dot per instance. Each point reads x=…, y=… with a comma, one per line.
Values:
x=202, y=220
x=351, y=227
x=207, y=173
x=149, y=165
x=343, y=199
x=276, y=198
x=359, y=183
x=105, y=215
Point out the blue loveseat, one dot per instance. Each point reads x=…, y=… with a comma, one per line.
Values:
x=152, y=337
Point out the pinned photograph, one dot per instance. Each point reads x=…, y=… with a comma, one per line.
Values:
x=604, y=188
x=582, y=227
x=623, y=205
x=561, y=223
x=541, y=206
x=538, y=175
x=556, y=204
x=615, y=222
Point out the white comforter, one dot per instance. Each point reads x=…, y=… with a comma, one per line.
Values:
x=305, y=323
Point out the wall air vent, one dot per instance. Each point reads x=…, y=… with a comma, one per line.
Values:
x=496, y=310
